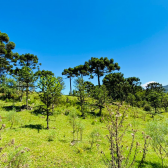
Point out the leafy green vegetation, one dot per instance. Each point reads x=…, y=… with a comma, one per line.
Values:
x=117, y=124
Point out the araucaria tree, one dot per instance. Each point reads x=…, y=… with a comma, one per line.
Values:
x=25, y=74
x=81, y=70
x=7, y=57
x=101, y=66
x=50, y=88
x=70, y=74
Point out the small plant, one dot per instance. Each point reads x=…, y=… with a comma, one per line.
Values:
x=73, y=117
x=147, y=107
x=79, y=150
x=17, y=158
x=66, y=112
x=79, y=130
x=56, y=113
x=13, y=118
x=51, y=136
x=117, y=130
x=158, y=132
x=94, y=135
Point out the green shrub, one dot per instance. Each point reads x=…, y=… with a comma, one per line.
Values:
x=19, y=157
x=31, y=101
x=13, y=118
x=66, y=112
x=51, y=136
x=147, y=107
x=94, y=136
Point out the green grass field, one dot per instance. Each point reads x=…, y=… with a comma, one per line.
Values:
x=54, y=147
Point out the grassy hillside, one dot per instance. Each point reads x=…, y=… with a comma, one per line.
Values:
x=55, y=148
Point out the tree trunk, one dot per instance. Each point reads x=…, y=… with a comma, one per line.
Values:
x=100, y=111
x=21, y=96
x=27, y=96
x=81, y=135
x=73, y=129
x=70, y=87
x=47, y=119
x=98, y=78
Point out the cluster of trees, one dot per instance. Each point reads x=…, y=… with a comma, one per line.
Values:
x=114, y=86
x=20, y=73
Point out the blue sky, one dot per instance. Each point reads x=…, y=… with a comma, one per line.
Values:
x=65, y=34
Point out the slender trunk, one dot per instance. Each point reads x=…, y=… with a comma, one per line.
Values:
x=81, y=135
x=27, y=96
x=47, y=119
x=100, y=110
x=98, y=78
x=100, y=107
x=21, y=96
x=13, y=101
x=82, y=109
x=70, y=87
x=53, y=107
x=47, y=114
x=73, y=129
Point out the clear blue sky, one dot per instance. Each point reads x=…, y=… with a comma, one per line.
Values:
x=66, y=33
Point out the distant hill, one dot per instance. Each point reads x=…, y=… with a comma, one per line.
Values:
x=166, y=88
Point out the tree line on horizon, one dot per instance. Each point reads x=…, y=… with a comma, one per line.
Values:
x=21, y=73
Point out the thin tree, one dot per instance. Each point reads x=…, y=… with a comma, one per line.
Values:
x=50, y=88
x=81, y=93
x=70, y=74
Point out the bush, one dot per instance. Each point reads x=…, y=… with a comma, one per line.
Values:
x=147, y=107
x=13, y=118
x=66, y=112
x=51, y=136
x=13, y=156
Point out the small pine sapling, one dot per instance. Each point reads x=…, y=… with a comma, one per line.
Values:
x=94, y=136
x=79, y=130
x=73, y=117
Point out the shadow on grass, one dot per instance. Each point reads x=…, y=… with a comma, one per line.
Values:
x=9, y=108
x=38, y=110
x=63, y=140
x=152, y=164
x=38, y=127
